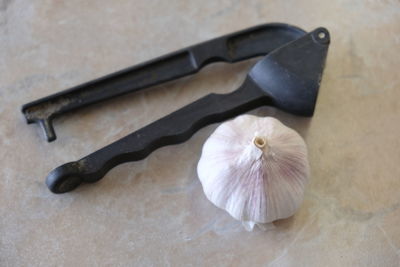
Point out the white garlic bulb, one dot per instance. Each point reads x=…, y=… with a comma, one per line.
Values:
x=255, y=168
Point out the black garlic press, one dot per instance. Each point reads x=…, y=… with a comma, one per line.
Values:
x=288, y=78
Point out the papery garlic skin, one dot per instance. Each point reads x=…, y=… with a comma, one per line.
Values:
x=257, y=182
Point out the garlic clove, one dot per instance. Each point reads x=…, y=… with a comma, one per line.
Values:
x=255, y=168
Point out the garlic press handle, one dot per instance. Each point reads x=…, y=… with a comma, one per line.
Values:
x=174, y=128
x=255, y=41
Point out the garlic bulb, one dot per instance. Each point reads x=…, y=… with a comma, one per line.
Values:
x=255, y=168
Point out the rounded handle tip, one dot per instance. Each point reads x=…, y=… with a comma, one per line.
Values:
x=64, y=178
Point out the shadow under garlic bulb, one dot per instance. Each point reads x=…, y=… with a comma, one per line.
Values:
x=255, y=168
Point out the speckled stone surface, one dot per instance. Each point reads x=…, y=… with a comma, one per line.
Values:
x=153, y=212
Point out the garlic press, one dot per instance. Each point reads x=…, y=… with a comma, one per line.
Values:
x=287, y=77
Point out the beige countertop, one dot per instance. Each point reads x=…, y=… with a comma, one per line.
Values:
x=153, y=212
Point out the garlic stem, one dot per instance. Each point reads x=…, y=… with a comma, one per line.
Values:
x=260, y=141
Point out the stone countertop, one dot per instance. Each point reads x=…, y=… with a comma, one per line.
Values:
x=153, y=212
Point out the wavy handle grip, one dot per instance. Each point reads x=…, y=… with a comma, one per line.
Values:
x=172, y=129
